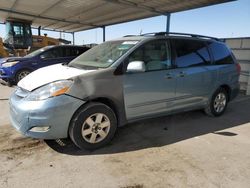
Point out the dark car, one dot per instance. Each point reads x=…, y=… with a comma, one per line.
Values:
x=13, y=69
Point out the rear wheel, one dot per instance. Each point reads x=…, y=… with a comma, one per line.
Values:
x=218, y=103
x=21, y=74
x=93, y=126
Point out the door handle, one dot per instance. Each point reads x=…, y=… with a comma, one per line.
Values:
x=168, y=76
x=182, y=74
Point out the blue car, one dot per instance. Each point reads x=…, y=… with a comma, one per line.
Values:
x=13, y=69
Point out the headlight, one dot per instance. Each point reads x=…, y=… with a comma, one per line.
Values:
x=10, y=64
x=50, y=90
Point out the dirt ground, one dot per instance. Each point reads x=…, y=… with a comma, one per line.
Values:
x=183, y=150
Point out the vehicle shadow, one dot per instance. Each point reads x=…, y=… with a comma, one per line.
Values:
x=166, y=130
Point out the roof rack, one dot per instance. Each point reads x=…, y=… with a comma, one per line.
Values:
x=130, y=35
x=180, y=34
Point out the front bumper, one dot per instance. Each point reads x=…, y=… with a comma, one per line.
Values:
x=6, y=74
x=55, y=113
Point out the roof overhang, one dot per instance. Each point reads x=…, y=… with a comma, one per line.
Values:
x=80, y=15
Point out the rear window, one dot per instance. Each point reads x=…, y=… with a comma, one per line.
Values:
x=190, y=53
x=222, y=55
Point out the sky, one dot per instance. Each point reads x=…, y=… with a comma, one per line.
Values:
x=223, y=21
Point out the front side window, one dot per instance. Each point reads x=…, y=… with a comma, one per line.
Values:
x=190, y=53
x=103, y=55
x=156, y=55
x=53, y=53
x=38, y=52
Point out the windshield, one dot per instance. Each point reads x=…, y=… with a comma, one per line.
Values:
x=37, y=52
x=103, y=55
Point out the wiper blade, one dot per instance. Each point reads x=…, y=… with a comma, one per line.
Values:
x=65, y=63
x=85, y=67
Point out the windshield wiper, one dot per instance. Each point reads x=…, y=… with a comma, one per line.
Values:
x=85, y=67
x=65, y=64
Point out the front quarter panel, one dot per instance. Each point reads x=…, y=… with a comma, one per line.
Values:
x=101, y=84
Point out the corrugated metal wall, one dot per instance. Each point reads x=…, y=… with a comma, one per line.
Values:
x=241, y=50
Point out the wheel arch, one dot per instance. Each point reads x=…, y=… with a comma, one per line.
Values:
x=120, y=114
x=228, y=90
x=22, y=69
x=110, y=103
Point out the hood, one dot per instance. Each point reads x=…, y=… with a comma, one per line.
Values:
x=11, y=59
x=49, y=74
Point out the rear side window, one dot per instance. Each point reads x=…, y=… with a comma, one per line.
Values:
x=77, y=51
x=222, y=55
x=73, y=51
x=66, y=52
x=190, y=53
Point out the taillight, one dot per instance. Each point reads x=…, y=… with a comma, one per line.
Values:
x=238, y=68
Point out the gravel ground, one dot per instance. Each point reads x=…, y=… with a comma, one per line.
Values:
x=183, y=150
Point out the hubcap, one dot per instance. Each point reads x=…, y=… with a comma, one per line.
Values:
x=220, y=102
x=22, y=75
x=95, y=128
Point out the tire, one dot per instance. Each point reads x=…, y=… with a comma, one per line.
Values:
x=10, y=83
x=93, y=126
x=21, y=74
x=218, y=103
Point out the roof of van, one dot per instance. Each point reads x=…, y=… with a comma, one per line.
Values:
x=166, y=35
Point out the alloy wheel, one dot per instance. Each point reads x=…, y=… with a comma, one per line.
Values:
x=220, y=102
x=96, y=128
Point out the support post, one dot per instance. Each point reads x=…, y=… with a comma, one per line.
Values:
x=39, y=31
x=73, y=35
x=168, y=22
x=104, y=33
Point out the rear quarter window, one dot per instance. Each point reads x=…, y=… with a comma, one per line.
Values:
x=73, y=51
x=221, y=54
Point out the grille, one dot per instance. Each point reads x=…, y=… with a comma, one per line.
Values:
x=1, y=72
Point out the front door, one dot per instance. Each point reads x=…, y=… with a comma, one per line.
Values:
x=153, y=91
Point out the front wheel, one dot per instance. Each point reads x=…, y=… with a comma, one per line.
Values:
x=93, y=126
x=21, y=74
x=218, y=103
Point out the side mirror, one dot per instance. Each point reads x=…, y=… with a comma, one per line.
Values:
x=42, y=56
x=136, y=66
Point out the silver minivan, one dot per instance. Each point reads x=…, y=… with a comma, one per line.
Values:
x=122, y=81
